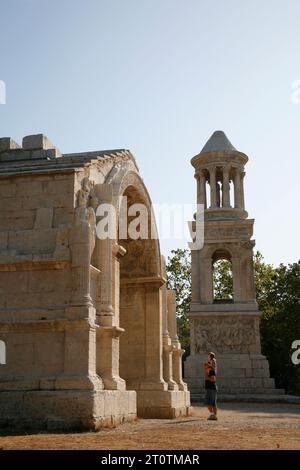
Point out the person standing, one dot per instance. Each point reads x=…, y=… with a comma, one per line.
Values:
x=211, y=389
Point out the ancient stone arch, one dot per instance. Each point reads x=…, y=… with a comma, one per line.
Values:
x=89, y=323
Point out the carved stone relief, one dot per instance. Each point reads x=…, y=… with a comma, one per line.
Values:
x=226, y=335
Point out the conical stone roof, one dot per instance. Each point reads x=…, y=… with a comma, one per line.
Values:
x=218, y=142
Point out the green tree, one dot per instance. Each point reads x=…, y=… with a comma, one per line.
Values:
x=222, y=280
x=278, y=296
x=179, y=279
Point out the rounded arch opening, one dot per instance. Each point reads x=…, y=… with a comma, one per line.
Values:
x=222, y=277
x=138, y=236
x=139, y=271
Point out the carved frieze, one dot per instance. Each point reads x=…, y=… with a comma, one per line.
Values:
x=216, y=233
x=225, y=335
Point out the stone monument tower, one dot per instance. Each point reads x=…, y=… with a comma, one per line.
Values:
x=230, y=326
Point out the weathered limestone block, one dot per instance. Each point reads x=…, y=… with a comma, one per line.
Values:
x=39, y=143
x=75, y=309
x=28, y=187
x=42, y=240
x=231, y=379
x=66, y=410
x=7, y=143
x=43, y=218
x=170, y=404
x=33, y=147
x=3, y=240
x=7, y=189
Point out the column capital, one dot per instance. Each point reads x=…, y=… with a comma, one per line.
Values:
x=200, y=173
x=237, y=171
x=111, y=331
x=212, y=169
x=118, y=250
x=226, y=169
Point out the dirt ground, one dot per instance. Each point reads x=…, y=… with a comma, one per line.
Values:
x=240, y=426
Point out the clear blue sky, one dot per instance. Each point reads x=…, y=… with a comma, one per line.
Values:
x=158, y=77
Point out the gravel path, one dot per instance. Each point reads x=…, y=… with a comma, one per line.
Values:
x=240, y=426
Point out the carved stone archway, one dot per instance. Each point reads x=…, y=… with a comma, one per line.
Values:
x=61, y=316
x=140, y=305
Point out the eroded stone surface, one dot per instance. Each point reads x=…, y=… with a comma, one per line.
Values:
x=230, y=328
x=82, y=318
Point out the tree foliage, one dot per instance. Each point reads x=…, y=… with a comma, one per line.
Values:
x=179, y=279
x=222, y=280
x=278, y=297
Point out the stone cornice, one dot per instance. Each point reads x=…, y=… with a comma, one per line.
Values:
x=34, y=264
x=59, y=324
x=66, y=163
x=144, y=280
x=209, y=159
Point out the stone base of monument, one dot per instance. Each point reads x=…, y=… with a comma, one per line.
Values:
x=280, y=397
x=83, y=408
x=66, y=410
x=237, y=374
x=163, y=404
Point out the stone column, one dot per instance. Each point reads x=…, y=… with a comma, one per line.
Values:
x=195, y=276
x=213, y=187
x=251, y=293
x=206, y=278
x=177, y=368
x=167, y=344
x=172, y=323
x=80, y=327
x=153, y=347
x=79, y=358
x=242, y=191
x=108, y=333
x=247, y=273
x=201, y=188
x=104, y=301
x=237, y=189
x=225, y=188
x=108, y=357
x=177, y=351
x=218, y=193
x=237, y=279
x=80, y=245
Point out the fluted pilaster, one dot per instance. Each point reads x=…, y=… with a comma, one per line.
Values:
x=225, y=188
x=201, y=189
x=213, y=187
